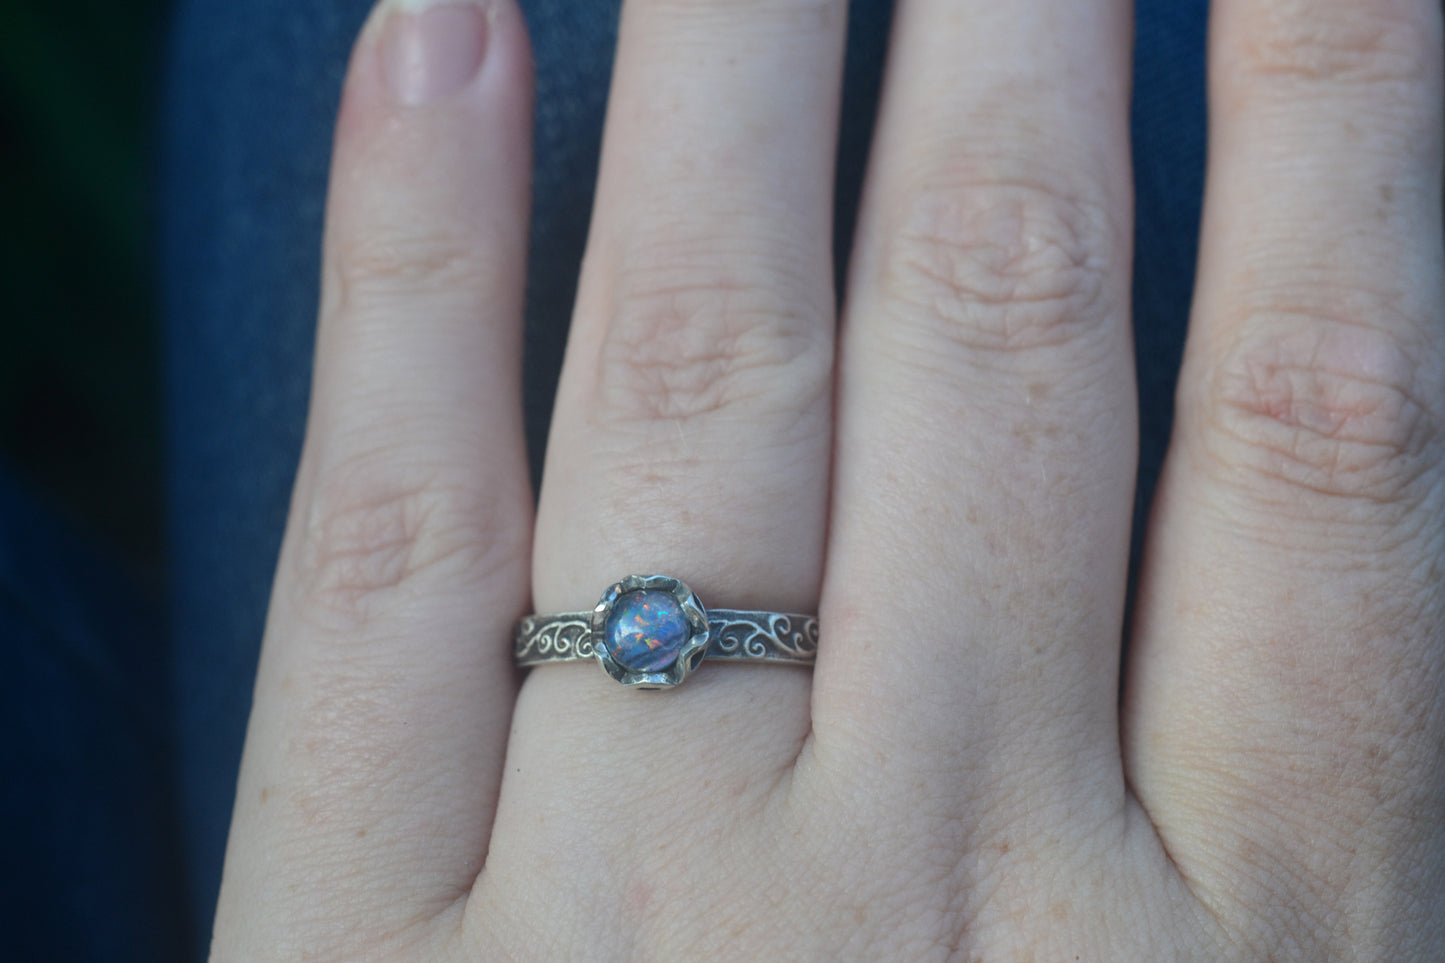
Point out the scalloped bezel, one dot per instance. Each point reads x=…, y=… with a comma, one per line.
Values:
x=689, y=655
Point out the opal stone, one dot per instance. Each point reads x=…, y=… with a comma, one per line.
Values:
x=646, y=630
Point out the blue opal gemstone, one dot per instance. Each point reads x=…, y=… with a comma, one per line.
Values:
x=646, y=630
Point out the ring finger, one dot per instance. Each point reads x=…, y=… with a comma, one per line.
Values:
x=691, y=434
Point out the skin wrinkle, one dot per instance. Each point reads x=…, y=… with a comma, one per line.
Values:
x=1312, y=45
x=1003, y=268
x=1311, y=404
x=366, y=546
x=663, y=371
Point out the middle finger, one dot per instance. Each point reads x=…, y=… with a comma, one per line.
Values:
x=986, y=439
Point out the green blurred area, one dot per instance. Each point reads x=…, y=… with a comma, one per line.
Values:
x=80, y=416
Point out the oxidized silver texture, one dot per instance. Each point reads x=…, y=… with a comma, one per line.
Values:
x=733, y=635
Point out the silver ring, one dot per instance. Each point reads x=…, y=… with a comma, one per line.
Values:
x=651, y=631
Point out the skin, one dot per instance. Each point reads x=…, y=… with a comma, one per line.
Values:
x=946, y=477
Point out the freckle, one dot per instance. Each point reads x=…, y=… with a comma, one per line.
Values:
x=1387, y=192
x=1025, y=435
x=361, y=833
x=1059, y=911
x=972, y=515
x=637, y=896
x=286, y=683
x=859, y=916
x=1040, y=390
x=265, y=794
x=1004, y=847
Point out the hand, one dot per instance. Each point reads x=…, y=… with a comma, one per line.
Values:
x=950, y=490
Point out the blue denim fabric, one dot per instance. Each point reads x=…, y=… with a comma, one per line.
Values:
x=89, y=850
x=251, y=93
x=1168, y=131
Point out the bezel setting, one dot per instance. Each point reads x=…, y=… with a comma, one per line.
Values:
x=689, y=655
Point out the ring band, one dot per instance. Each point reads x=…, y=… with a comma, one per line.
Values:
x=651, y=631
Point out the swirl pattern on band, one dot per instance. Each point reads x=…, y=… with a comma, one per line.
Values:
x=756, y=636
x=734, y=635
x=560, y=638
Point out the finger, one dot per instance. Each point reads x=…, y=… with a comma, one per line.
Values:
x=986, y=427
x=385, y=688
x=691, y=430
x=1284, y=711
x=699, y=362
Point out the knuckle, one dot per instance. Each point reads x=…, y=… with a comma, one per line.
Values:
x=1001, y=269
x=1308, y=403
x=378, y=268
x=677, y=349
x=807, y=11
x=372, y=538
x=1350, y=43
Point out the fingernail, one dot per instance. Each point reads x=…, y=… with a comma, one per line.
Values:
x=430, y=49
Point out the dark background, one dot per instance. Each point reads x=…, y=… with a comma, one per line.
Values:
x=89, y=854
x=80, y=414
